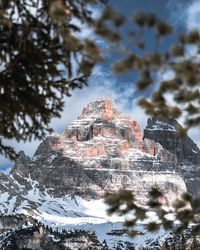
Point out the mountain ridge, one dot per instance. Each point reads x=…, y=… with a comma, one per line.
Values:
x=101, y=151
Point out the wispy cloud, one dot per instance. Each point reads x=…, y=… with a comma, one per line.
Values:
x=104, y=83
x=185, y=13
x=193, y=16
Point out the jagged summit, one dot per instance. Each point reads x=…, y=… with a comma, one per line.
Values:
x=100, y=151
x=165, y=124
x=103, y=118
x=103, y=145
x=103, y=150
x=103, y=107
x=166, y=132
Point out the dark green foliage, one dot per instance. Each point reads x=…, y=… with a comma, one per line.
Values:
x=42, y=59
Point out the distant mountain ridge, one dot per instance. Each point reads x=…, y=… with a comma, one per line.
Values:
x=165, y=132
x=101, y=151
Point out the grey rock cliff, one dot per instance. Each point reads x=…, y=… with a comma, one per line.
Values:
x=165, y=132
x=101, y=151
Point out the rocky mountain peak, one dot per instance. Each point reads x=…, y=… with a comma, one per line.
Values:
x=102, y=118
x=165, y=131
x=100, y=151
x=103, y=150
x=103, y=108
x=166, y=124
x=21, y=164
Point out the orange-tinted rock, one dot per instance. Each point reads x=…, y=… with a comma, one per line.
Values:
x=137, y=130
x=104, y=131
x=94, y=151
x=103, y=151
x=108, y=110
x=123, y=147
x=104, y=107
x=148, y=147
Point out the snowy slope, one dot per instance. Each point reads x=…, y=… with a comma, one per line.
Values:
x=71, y=213
x=103, y=150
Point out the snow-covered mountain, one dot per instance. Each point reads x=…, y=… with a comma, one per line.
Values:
x=103, y=150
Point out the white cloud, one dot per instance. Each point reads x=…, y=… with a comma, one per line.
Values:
x=102, y=83
x=164, y=75
x=193, y=16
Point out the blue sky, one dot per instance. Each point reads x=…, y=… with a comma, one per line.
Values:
x=183, y=14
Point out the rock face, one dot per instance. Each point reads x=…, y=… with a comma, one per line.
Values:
x=165, y=132
x=101, y=151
